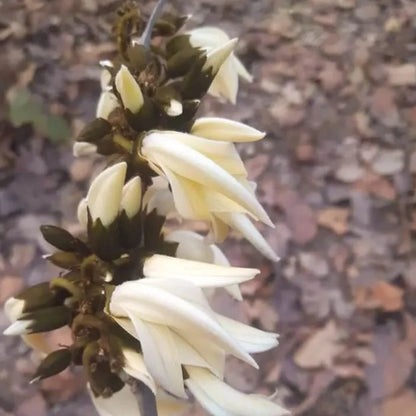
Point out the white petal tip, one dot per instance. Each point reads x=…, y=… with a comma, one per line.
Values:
x=17, y=328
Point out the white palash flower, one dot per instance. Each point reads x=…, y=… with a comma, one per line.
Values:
x=129, y=90
x=108, y=195
x=192, y=246
x=169, y=314
x=225, y=83
x=208, y=178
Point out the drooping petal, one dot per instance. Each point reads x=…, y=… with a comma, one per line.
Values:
x=190, y=163
x=225, y=83
x=223, y=129
x=134, y=366
x=252, y=339
x=151, y=303
x=199, y=273
x=241, y=223
x=220, y=399
x=160, y=354
x=121, y=403
x=104, y=195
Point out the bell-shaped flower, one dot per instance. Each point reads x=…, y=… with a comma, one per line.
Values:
x=129, y=90
x=206, y=176
x=105, y=194
x=225, y=83
x=218, y=398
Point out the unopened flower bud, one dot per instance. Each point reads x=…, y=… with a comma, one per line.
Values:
x=104, y=195
x=131, y=197
x=42, y=320
x=53, y=364
x=129, y=90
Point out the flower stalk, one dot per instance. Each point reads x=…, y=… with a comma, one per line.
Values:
x=134, y=292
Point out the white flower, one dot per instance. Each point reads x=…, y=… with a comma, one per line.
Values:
x=169, y=314
x=105, y=193
x=129, y=90
x=225, y=83
x=158, y=197
x=219, y=399
x=206, y=176
x=192, y=246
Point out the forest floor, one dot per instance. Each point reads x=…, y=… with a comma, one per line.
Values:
x=335, y=89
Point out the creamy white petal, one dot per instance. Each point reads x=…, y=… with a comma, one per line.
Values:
x=156, y=305
x=223, y=129
x=225, y=83
x=82, y=212
x=241, y=69
x=220, y=399
x=104, y=195
x=106, y=104
x=13, y=308
x=252, y=339
x=121, y=403
x=105, y=77
x=18, y=327
x=129, y=90
x=131, y=196
x=189, y=163
x=207, y=36
x=217, y=56
x=160, y=354
x=134, y=366
x=83, y=149
x=241, y=223
x=159, y=197
x=199, y=273
x=170, y=406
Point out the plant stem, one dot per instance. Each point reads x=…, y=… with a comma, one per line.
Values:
x=147, y=34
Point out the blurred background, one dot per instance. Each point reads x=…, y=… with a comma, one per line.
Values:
x=335, y=89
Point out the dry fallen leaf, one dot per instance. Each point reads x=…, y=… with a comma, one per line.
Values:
x=335, y=219
x=321, y=349
x=382, y=295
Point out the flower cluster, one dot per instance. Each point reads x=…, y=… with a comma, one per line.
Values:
x=136, y=295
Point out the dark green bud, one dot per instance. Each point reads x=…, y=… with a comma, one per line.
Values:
x=53, y=364
x=94, y=131
x=62, y=239
x=65, y=259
